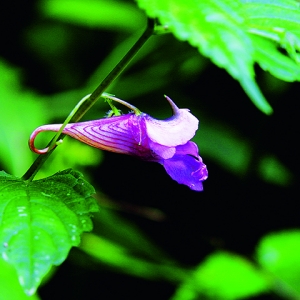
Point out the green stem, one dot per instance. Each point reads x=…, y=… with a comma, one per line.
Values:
x=112, y=98
x=91, y=100
x=58, y=136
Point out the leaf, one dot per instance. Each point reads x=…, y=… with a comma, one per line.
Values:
x=10, y=288
x=279, y=254
x=278, y=64
x=273, y=171
x=227, y=32
x=41, y=220
x=125, y=260
x=120, y=231
x=20, y=111
x=278, y=21
x=223, y=276
x=94, y=13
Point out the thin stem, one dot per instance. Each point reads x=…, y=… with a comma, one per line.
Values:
x=133, y=108
x=91, y=100
x=118, y=69
x=114, y=111
x=54, y=141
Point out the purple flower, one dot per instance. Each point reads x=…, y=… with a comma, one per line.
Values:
x=164, y=141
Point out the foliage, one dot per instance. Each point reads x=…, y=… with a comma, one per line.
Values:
x=157, y=234
x=41, y=221
x=278, y=253
x=236, y=34
x=223, y=276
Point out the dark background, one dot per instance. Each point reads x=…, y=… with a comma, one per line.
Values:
x=233, y=212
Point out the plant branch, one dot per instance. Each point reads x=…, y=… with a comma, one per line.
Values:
x=91, y=100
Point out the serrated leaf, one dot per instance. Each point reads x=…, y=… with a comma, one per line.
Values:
x=216, y=29
x=276, y=20
x=279, y=254
x=223, y=276
x=41, y=220
x=272, y=19
x=226, y=32
x=278, y=64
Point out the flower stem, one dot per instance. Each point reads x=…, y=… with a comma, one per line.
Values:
x=113, y=98
x=88, y=102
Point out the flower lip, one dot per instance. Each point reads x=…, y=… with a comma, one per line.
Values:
x=186, y=166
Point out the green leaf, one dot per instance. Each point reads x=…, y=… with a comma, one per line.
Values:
x=125, y=260
x=279, y=254
x=270, y=59
x=279, y=22
x=227, y=32
x=41, y=220
x=273, y=171
x=10, y=288
x=120, y=231
x=223, y=276
x=94, y=13
x=20, y=111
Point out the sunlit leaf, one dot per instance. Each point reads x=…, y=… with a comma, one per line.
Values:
x=276, y=20
x=223, y=276
x=41, y=220
x=227, y=32
x=278, y=64
x=10, y=287
x=279, y=254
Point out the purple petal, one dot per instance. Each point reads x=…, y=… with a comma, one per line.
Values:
x=190, y=148
x=137, y=127
x=111, y=134
x=187, y=168
x=162, y=151
x=177, y=130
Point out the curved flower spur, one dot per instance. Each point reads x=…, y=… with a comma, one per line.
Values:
x=164, y=141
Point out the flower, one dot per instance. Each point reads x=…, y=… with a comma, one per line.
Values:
x=164, y=141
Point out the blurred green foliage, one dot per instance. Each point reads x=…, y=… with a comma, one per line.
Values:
x=14, y=105
x=112, y=15
x=278, y=253
x=223, y=276
x=234, y=35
